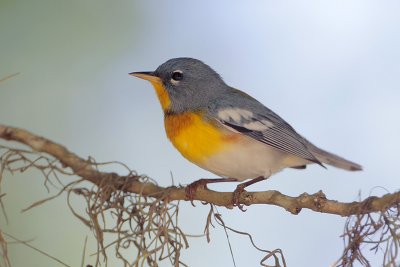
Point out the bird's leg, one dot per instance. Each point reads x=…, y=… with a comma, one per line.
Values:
x=192, y=188
x=240, y=189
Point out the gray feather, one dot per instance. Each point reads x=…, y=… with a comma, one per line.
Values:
x=334, y=160
x=277, y=133
x=201, y=89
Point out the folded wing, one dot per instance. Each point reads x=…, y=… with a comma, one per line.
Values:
x=267, y=128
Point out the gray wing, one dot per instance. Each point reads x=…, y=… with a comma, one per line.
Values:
x=243, y=114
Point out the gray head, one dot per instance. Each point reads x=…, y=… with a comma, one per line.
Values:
x=189, y=83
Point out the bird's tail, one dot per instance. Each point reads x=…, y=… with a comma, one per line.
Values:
x=334, y=160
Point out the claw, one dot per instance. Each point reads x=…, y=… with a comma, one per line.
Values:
x=236, y=197
x=191, y=189
x=240, y=189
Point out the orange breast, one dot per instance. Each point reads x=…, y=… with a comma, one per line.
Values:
x=196, y=138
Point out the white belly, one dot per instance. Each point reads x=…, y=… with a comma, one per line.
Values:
x=249, y=159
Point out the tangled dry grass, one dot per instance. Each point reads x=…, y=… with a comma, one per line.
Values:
x=143, y=218
x=145, y=225
x=377, y=232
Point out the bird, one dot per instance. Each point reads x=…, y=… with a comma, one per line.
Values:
x=226, y=131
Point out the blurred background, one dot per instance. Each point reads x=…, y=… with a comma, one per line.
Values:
x=330, y=68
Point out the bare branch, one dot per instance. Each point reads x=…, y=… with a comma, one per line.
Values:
x=144, y=216
x=130, y=183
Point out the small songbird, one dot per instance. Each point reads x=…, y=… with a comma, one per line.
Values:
x=226, y=131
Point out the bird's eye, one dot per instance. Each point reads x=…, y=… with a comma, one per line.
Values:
x=177, y=75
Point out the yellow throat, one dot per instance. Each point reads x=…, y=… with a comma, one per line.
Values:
x=195, y=138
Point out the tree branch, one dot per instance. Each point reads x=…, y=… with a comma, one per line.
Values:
x=84, y=168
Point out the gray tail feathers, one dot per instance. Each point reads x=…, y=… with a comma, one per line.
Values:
x=334, y=160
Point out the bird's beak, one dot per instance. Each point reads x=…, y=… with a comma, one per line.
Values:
x=146, y=75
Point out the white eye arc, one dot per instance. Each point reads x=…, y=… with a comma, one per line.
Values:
x=176, y=76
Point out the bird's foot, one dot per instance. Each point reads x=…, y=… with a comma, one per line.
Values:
x=240, y=189
x=236, y=196
x=191, y=189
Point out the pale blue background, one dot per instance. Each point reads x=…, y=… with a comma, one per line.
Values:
x=330, y=68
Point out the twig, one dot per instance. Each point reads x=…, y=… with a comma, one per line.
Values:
x=83, y=168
